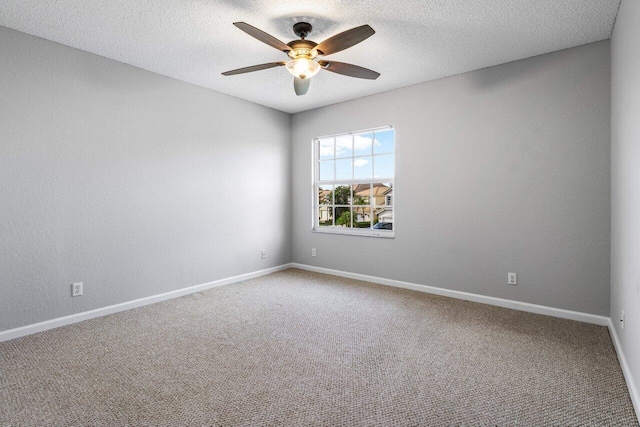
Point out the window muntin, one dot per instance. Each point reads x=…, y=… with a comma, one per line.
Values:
x=353, y=182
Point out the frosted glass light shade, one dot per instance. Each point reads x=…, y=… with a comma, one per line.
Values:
x=303, y=68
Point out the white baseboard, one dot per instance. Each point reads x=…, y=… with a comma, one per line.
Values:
x=631, y=384
x=516, y=305
x=98, y=312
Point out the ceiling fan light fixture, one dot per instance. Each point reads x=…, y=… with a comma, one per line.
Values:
x=303, y=68
x=305, y=55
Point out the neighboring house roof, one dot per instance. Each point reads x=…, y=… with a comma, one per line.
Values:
x=324, y=194
x=363, y=189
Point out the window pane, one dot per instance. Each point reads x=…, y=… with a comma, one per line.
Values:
x=361, y=194
x=344, y=146
x=325, y=194
x=326, y=148
x=383, y=219
x=342, y=195
x=384, y=142
x=343, y=217
x=343, y=169
x=326, y=170
x=380, y=192
x=348, y=200
x=362, y=144
x=325, y=216
x=383, y=166
x=362, y=216
x=362, y=167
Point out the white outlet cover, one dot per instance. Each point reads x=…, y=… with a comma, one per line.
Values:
x=512, y=278
x=76, y=289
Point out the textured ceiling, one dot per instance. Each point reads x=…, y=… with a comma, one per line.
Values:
x=415, y=40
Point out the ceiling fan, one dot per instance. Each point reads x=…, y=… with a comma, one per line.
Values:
x=304, y=55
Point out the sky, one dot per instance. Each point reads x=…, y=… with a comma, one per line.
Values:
x=360, y=156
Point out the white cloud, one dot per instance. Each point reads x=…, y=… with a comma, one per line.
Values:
x=344, y=145
x=326, y=147
x=360, y=162
x=362, y=143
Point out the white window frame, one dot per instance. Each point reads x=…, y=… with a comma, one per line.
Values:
x=369, y=232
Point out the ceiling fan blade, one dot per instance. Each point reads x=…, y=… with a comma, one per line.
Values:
x=262, y=36
x=253, y=68
x=349, y=70
x=345, y=40
x=301, y=86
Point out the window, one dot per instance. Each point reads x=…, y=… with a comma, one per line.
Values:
x=353, y=183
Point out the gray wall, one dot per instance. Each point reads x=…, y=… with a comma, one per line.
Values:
x=625, y=181
x=138, y=184
x=130, y=182
x=505, y=169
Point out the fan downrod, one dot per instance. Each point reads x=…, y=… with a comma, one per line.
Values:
x=302, y=29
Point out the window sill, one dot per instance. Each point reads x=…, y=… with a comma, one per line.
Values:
x=384, y=234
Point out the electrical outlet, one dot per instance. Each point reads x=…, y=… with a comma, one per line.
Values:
x=313, y=251
x=512, y=278
x=76, y=289
x=263, y=254
x=622, y=320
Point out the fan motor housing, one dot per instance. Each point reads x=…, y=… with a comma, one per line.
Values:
x=302, y=49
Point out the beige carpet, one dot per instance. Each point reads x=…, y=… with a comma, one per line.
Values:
x=297, y=348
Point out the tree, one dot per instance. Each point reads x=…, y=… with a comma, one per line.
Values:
x=342, y=195
x=362, y=202
x=344, y=218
